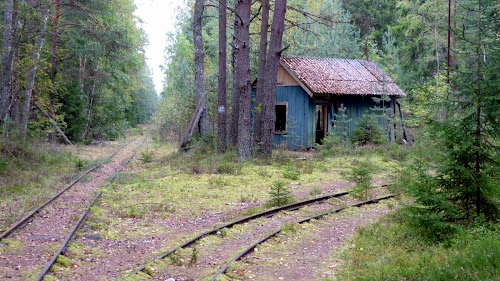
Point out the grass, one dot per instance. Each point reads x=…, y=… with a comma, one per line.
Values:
x=32, y=171
x=206, y=182
x=389, y=250
x=181, y=187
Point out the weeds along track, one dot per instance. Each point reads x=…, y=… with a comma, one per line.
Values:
x=199, y=257
x=31, y=242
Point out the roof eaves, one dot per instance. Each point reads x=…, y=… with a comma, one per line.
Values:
x=308, y=91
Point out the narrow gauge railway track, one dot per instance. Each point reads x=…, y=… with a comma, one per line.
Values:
x=274, y=233
x=215, y=231
x=20, y=223
x=36, y=236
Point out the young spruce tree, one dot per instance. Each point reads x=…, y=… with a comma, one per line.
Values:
x=465, y=185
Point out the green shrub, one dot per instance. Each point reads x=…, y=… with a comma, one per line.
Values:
x=315, y=192
x=229, y=167
x=79, y=164
x=368, y=132
x=362, y=176
x=147, y=156
x=291, y=173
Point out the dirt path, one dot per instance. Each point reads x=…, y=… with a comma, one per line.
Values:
x=23, y=255
x=293, y=257
x=312, y=253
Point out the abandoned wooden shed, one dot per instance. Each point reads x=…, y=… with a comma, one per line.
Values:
x=310, y=92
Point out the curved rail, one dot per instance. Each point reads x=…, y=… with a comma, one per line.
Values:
x=267, y=213
x=272, y=234
x=82, y=220
x=17, y=225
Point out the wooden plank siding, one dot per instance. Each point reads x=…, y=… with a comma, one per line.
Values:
x=356, y=107
x=300, y=120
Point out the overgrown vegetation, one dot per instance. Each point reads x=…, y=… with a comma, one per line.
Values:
x=361, y=174
x=29, y=173
x=368, y=132
x=391, y=250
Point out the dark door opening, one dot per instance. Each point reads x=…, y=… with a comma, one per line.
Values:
x=321, y=122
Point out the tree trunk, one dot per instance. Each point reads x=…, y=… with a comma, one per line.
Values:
x=192, y=126
x=54, y=124
x=34, y=58
x=199, y=64
x=221, y=101
x=86, y=132
x=261, y=76
x=235, y=97
x=477, y=143
x=243, y=75
x=393, y=120
x=269, y=86
x=53, y=62
x=7, y=59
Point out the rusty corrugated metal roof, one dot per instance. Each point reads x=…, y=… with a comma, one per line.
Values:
x=328, y=76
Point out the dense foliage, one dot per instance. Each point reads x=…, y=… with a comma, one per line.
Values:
x=91, y=76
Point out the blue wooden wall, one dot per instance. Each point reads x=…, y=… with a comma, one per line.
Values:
x=356, y=107
x=300, y=120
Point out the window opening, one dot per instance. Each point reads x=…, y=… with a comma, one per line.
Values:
x=281, y=118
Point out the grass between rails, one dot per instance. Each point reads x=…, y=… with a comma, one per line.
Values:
x=195, y=185
x=31, y=172
x=164, y=191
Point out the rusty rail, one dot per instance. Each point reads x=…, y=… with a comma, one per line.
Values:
x=267, y=213
x=20, y=223
x=274, y=233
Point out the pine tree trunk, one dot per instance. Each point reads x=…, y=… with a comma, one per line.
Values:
x=34, y=58
x=235, y=97
x=261, y=76
x=7, y=59
x=199, y=64
x=269, y=87
x=243, y=75
x=221, y=101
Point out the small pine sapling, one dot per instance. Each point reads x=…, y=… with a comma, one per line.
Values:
x=280, y=195
x=362, y=176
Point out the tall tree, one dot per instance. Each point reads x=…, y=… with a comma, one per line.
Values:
x=242, y=73
x=53, y=61
x=235, y=97
x=199, y=64
x=34, y=56
x=221, y=100
x=7, y=59
x=264, y=26
x=466, y=175
x=270, y=78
